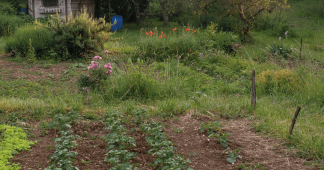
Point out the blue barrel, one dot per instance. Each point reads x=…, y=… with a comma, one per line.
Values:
x=24, y=10
x=119, y=22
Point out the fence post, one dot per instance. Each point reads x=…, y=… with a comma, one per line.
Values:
x=253, y=91
x=294, y=120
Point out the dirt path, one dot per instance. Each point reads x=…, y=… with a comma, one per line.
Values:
x=208, y=155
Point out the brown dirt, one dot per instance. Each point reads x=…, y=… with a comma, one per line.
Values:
x=190, y=143
x=208, y=155
x=14, y=70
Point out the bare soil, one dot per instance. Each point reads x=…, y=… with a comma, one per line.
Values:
x=190, y=143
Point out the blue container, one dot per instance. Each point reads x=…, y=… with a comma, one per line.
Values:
x=119, y=22
x=24, y=10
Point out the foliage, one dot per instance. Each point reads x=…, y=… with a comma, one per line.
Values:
x=96, y=76
x=247, y=10
x=284, y=81
x=64, y=122
x=243, y=166
x=40, y=38
x=280, y=50
x=31, y=53
x=13, y=139
x=62, y=157
x=78, y=37
x=232, y=156
x=9, y=23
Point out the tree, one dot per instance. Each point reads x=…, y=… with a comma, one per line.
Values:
x=247, y=10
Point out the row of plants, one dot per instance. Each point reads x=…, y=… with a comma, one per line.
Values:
x=162, y=148
x=118, y=142
x=63, y=157
x=12, y=140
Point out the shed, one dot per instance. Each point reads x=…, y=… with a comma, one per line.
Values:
x=40, y=8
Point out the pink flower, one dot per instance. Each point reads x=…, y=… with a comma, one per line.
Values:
x=89, y=67
x=106, y=51
x=106, y=72
x=87, y=90
x=100, y=58
x=109, y=64
x=109, y=67
x=110, y=71
x=92, y=62
x=88, y=75
x=96, y=57
x=106, y=66
x=76, y=91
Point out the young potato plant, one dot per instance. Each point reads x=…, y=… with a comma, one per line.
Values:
x=12, y=140
x=62, y=157
x=162, y=148
x=118, y=156
x=211, y=127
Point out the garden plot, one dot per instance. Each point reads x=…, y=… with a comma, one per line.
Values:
x=185, y=133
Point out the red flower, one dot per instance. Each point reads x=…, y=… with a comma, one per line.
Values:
x=194, y=31
x=146, y=33
x=187, y=29
x=151, y=33
x=161, y=32
x=174, y=29
x=160, y=36
x=163, y=35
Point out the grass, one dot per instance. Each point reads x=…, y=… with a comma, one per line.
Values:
x=168, y=89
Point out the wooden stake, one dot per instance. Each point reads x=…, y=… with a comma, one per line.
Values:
x=294, y=120
x=301, y=44
x=253, y=91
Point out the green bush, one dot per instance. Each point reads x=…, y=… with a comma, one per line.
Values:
x=9, y=23
x=79, y=37
x=282, y=81
x=41, y=40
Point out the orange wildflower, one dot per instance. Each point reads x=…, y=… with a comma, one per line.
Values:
x=174, y=29
x=163, y=35
x=161, y=32
x=146, y=33
x=151, y=33
x=160, y=36
x=194, y=31
x=187, y=29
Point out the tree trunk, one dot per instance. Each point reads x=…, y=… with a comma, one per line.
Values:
x=164, y=12
x=246, y=27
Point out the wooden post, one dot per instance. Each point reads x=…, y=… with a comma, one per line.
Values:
x=301, y=44
x=294, y=120
x=253, y=91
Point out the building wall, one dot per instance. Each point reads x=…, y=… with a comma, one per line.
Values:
x=64, y=8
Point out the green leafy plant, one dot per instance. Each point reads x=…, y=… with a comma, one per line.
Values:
x=13, y=139
x=77, y=37
x=232, y=156
x=210, y=127
x=62, y=157
x=96, y=76
x=244, y=166
x=31, y=57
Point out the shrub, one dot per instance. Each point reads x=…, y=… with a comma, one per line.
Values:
x=96, y=76
x=41, y=40
x=9, y=23
x=285, y=81
x=79, y=37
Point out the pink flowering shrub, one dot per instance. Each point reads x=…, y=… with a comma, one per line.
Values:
x=96, y=75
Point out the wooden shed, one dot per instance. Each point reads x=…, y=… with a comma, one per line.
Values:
x=40, y=8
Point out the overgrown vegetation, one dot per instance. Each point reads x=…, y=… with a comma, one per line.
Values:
x=169, y=71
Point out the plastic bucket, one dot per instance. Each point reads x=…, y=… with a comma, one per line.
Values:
x=119, y=22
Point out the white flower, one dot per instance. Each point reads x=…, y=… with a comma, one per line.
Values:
x=279, y=38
